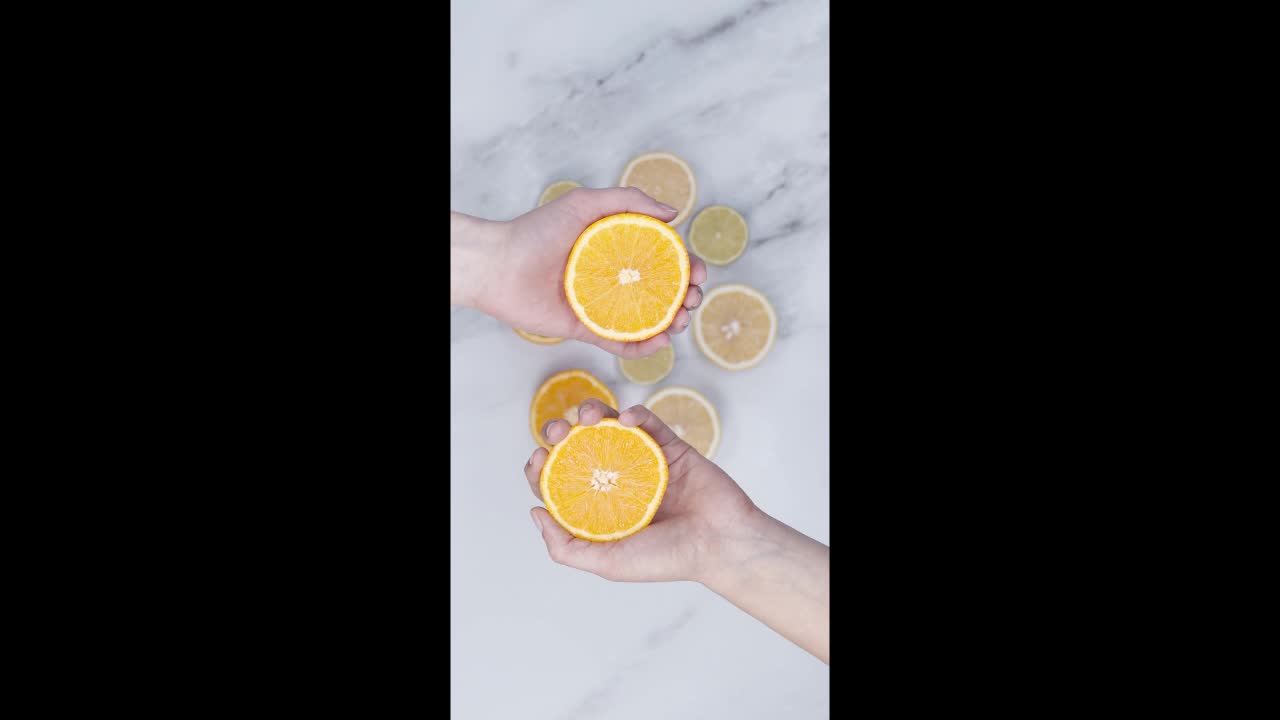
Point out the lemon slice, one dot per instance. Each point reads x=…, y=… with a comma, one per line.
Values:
x=648, y=370
x=556, y=189
x=735, y=326
x=665, y=177
x=690, y=415
x=718, y=234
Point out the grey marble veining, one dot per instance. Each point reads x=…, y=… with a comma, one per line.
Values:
x=572, y=89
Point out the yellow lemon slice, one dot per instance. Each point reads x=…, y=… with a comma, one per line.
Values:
x=735, y=326
x=690, y=415
x=665, y=177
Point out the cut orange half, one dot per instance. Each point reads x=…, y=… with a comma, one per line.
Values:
x=605, y=481
x=539, y=339
x=690, y=415
x=627, y=276
x=735, y=326
x=665, y=177
x=559, y=397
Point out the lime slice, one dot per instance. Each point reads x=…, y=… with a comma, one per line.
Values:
x=718, y=235
x=648, y=370
x=556, y=189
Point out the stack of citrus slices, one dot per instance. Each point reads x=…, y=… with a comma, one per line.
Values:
x=625, y=279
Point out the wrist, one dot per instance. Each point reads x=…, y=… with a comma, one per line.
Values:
x=475, y=250
x=729, y=548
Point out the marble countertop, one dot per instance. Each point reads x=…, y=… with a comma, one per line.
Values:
x=572, y=89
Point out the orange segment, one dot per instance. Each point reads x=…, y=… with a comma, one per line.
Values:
x=559, y=397
x=626, y=277
x=605, y=481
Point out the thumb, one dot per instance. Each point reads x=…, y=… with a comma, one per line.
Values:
x=566, y=549
x=591, y=205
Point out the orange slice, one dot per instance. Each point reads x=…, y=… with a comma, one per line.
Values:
x=539, y=339
x=690, y=415
x=665, y=177
x=605, y=481
x=626, y=277
x=556, y=189
x=560, y=396
x=735, y=326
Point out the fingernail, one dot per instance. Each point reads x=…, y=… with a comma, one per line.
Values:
x=536, y=522
x=668, y=208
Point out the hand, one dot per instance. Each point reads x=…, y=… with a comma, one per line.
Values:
x=702, y=504
x=706, y=530
x=525, y=283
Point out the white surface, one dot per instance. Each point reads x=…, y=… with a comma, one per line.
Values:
x=543, y=91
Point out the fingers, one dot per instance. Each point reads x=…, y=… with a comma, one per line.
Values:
x=681, y=322
x=555, y=430
x=593, y=204
x=640, y=417
x=567, y=549
x=592, y=411
x=697, y=274
x=693, y=298
x=533, y=471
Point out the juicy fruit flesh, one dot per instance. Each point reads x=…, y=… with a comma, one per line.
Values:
x=647, y=370
x=688, y=418
x=663, y=180
x=735, y=326
x=602, y=481
x=561, y=398
x=718, y=235
x=629, y=277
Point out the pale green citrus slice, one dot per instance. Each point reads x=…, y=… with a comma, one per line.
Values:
x=718, y=234
x=648, y=370
x=556, y=189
